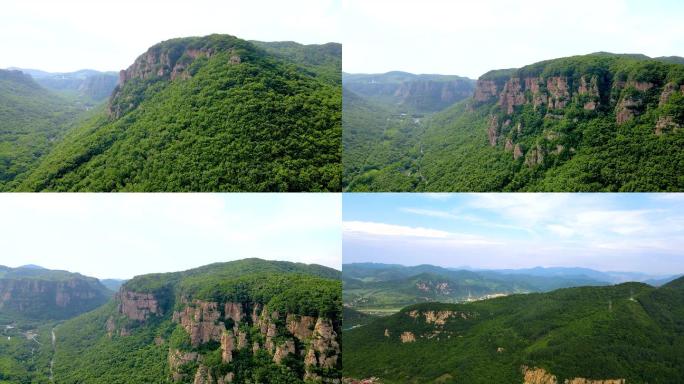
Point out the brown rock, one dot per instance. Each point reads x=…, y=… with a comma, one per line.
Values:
x=202, y=321
x=227, y=346
x=234, y=311
x=407, y=337
x=283, y=350
x=668, y=90
x=137, y=306
x=485, y=90
x=537, y=376
x=508, y=147
x=517, y=152
x=626, y=110
x=493, y=130
x=242, y=340
x=559, y=94
x=666, y=124
x=300, y=326
x=325, y=343
x=511, y=95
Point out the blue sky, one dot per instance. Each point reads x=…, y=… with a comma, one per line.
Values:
x=471, y=37
x=68, y=35
x=123, y=235
x=609, y=232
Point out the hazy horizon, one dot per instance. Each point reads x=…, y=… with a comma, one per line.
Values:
x=71, y=35
x=469, y=38
x=123, y=235
x=604, y=232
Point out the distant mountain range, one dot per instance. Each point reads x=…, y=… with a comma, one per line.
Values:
x=87, y=84
x=376, y=287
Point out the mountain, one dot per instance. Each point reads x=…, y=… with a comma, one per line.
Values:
x=627, y=333
x=32, y=120
x=353, y=318
x=247, y=321
x=410, y=93
x=598, y=122
x=213, y=113
x=88, y=85
x=35, y=294
x=384, y=288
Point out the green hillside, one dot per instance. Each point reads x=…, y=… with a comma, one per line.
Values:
x=385, y=288
x=212, y=113
x=599, y=122
x=249, y=321
x=629, y=331
x=32, y=119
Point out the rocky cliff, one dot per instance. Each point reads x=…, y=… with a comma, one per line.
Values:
x=597, y=88
x=169, y=60
x=281, y=335
x=57, y=296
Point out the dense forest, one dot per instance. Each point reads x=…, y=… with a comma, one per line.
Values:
x=599, y=122
x=212, y=113
x=629, y=331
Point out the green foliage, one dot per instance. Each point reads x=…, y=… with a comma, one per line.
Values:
x=627, y=329
x=268, y=123
x=582, y=150
x=32, y=119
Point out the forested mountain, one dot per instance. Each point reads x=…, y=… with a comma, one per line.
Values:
x=247, y=321
x=32, y=119
x=599, y=122
x=212, y=113
x=86, y=85
x=383, y=288
x=626, y=333
x=33, y=294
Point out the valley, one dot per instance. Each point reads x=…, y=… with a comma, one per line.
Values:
x=598, y=122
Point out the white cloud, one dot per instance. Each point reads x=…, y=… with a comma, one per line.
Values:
x=381, y=229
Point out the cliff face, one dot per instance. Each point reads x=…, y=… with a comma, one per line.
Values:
x=622, y=97
x=244, y=328
x=169, y=60
x=43, y=298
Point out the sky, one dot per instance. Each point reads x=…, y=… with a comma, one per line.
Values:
x=124, y=235
x=68, y=35
x=471, y=37
x=605, y=232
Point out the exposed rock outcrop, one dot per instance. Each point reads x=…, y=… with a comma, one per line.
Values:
x=534, y=157
x=626, y=109
x=512, y=95
x=485, y=90
x=138, y=306
x=300, y=326
x=517, y=152
x=202, y=322
x=407, y=337
x=283, y=350
x=666, y=124
x=591, y=91
x=227, y=346
x=493, y=130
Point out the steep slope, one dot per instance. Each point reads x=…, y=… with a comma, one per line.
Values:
x=382, y=288
x=32, y=119
x=34, y=295
x=599, y=335
x=239, y=322
x=600, y=122
x=212, y=113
